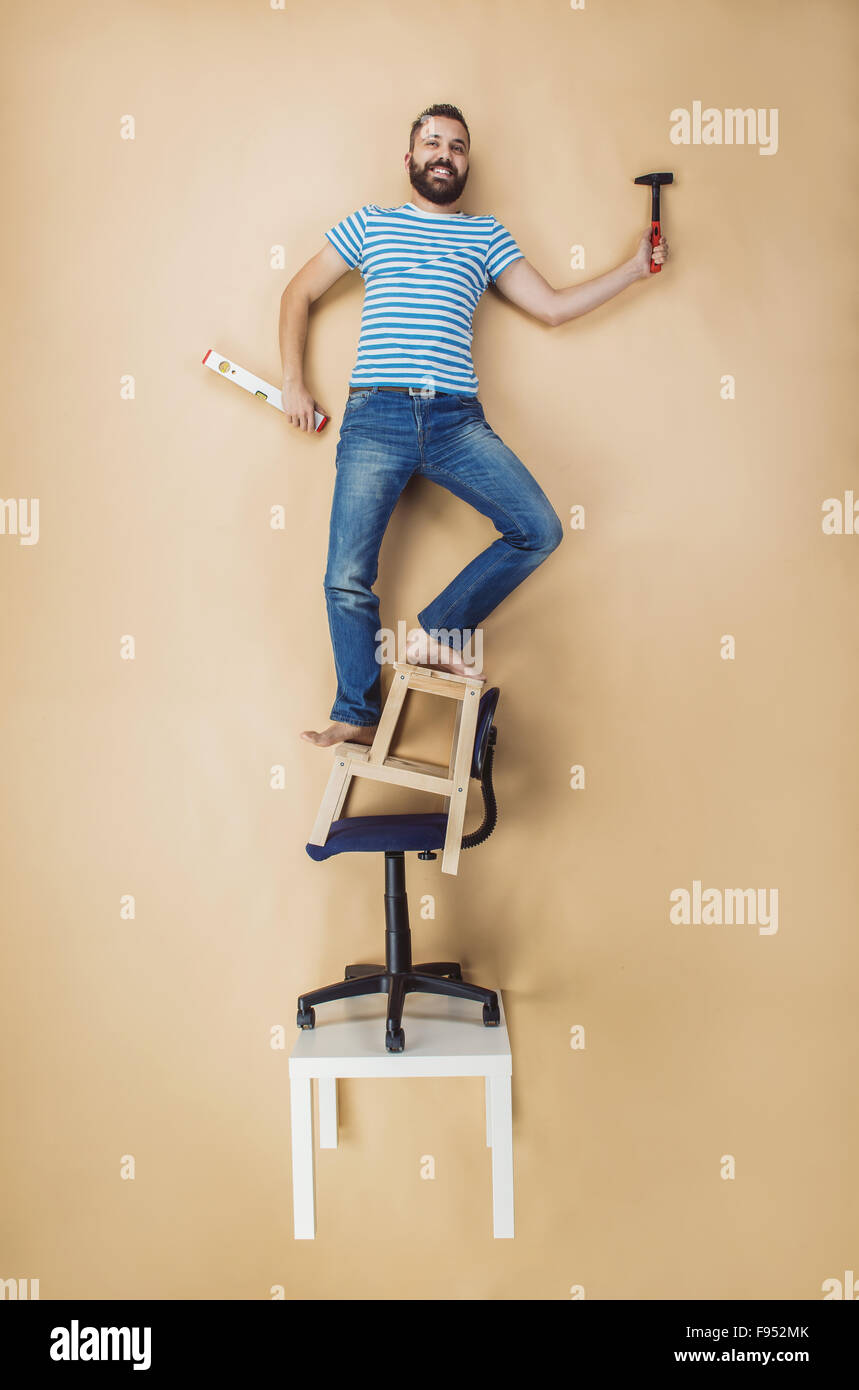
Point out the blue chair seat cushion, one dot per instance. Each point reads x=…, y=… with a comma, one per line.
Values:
x=365, y=834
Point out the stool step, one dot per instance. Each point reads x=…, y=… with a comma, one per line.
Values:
x=434, y=682
x=411, y=765
x=351, y=750
x=359, y=752
x=435, y=673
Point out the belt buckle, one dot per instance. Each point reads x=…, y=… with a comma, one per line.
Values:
x=423, y=391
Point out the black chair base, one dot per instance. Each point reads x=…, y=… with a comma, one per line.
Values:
x=398, y=977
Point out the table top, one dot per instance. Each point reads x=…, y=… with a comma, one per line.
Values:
x=444, y=1037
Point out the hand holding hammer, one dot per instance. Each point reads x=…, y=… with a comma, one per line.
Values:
x=653, y=251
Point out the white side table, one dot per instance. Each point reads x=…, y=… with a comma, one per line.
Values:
x=444, y=1037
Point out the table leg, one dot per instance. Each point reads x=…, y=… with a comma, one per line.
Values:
x=327, y=1112
x=303, y=1177
x=488, y=1081
x=501, y=1122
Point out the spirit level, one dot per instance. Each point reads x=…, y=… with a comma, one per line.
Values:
x=254, y=384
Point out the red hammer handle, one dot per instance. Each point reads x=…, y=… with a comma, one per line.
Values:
x=655, y=234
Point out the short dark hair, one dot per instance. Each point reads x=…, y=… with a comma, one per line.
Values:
x=441, y=108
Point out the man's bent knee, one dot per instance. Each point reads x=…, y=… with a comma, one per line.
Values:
x=549, y=536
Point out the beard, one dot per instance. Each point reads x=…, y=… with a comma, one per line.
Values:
x=437, y=190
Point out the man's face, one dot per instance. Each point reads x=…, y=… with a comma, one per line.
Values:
x=438, y=164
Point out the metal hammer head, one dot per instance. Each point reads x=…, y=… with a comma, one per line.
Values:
x=655, y=179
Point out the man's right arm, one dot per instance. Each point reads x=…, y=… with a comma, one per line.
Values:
x=311, y=281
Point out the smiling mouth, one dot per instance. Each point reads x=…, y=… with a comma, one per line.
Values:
x=440, y=169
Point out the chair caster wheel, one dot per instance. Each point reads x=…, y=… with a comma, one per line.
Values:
x=491, y=1015
x=306, y=1018
x=395, y=1040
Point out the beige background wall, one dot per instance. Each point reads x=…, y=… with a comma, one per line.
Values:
x=151, y=777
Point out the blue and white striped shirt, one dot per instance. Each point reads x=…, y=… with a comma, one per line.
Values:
x=424, y=273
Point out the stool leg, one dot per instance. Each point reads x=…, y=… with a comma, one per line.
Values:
x=454, y=744
x=338, y=808
x=461, y=774
x=335, y=795
x=390, y=715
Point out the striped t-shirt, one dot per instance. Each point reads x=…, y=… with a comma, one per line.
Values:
x=424, y=273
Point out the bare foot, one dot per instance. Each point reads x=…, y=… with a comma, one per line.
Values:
x=341, y=733
x=423, y=650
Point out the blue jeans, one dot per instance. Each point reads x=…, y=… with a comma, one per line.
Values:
x=385, y=438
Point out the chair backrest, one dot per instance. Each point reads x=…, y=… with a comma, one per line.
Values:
x=485, y=716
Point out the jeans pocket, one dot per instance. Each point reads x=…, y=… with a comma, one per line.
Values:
x=353, y=407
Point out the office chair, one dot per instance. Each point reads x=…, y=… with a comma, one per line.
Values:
x=394, y=836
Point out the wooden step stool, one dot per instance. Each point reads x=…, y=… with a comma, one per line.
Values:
x=373, y=760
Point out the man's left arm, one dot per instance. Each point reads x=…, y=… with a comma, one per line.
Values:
x=525, y=286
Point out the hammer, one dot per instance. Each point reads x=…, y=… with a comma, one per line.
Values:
x=655, y=181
